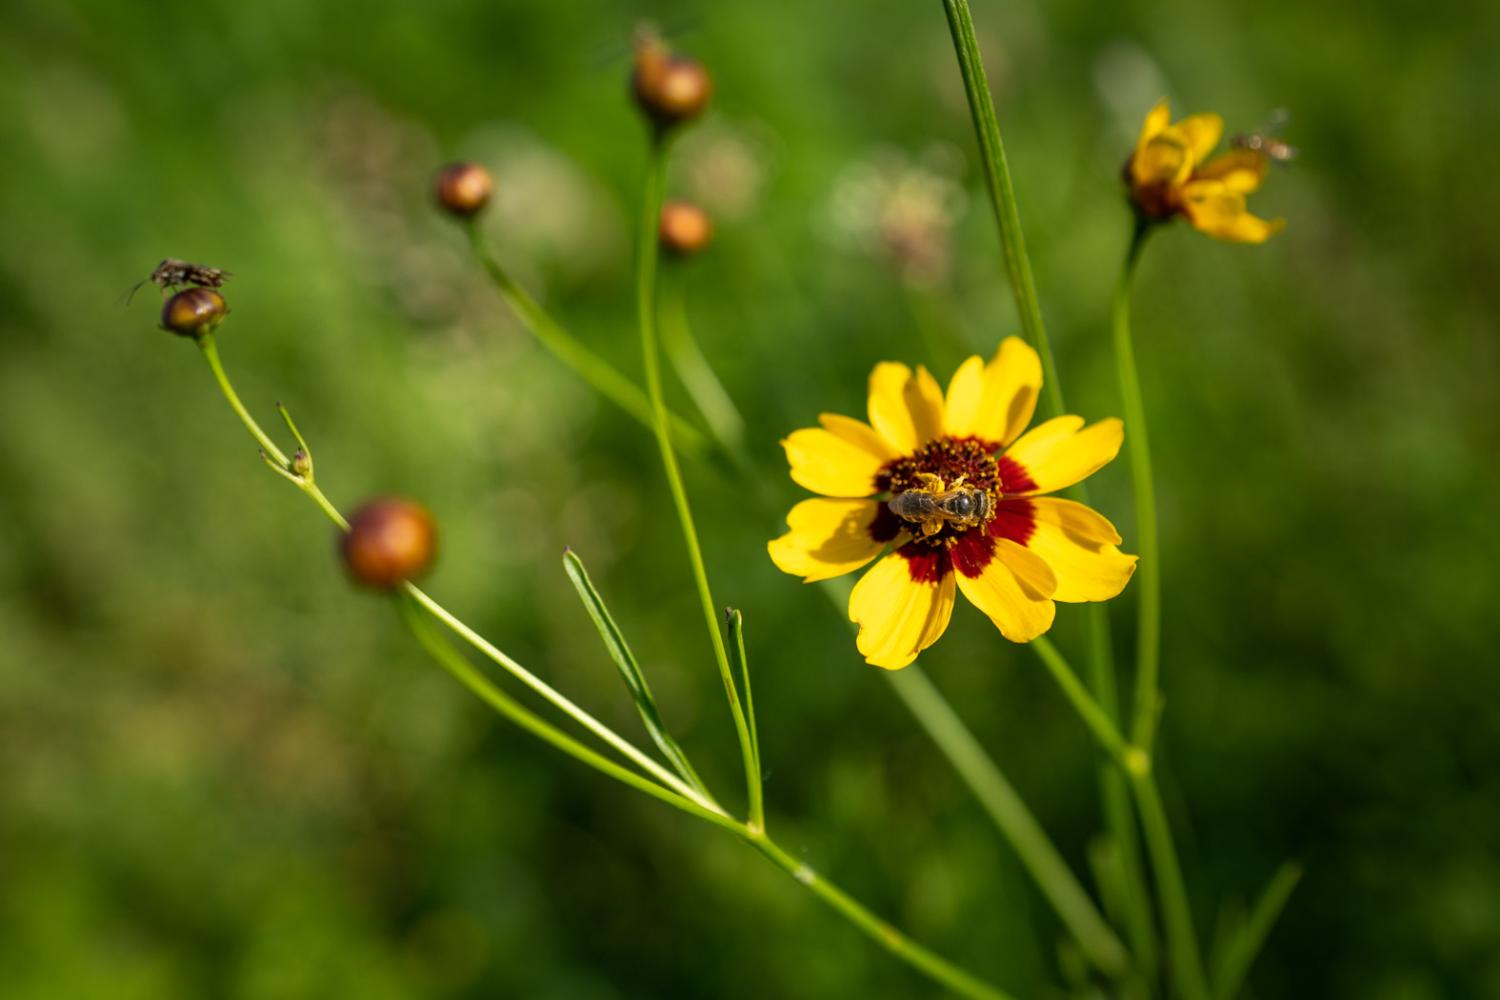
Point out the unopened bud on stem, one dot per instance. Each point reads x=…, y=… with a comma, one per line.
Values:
x=670, y=88
x=193, y=312
x=685, y=228
x=463, y=189
x=389, y=541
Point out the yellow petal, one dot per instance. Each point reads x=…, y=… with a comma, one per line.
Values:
x=965, y=394
x=1241, y=170
x=828, y=538
x=859, y=434
x=905, y=407
x=1214, y=208
x=1014, y=590
x=1056, y=454
x=1163, y=160
x=1200, y=134
x=826, y=463
x=1012, y=381
x=898, y=617
x=1080, y=546
x=1157, y=120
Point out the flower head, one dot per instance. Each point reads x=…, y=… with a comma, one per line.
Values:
x=1170, y=174
x=951, y=495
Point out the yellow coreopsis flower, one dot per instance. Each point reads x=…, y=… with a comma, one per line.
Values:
x=953, y=493
x=1170, y=174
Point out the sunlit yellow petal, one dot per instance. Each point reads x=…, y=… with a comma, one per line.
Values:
x=1056, y=454
x=924, y=398
x=1014, y=590
x=1201, y=133
x=888, y=410
x=827, y=538
x=898, y=617
x=1157, y=120
x=1080, y=546
x=965, y=394
x=1012, y=381
x=1241, y=170
x=859, y=434
x=1213, y=208
x=828, y=464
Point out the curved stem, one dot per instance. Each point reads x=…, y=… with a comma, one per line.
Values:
x=1137, y=440
x=551, y=694
x=888, y=937
x=646, y=259
x=604, y=377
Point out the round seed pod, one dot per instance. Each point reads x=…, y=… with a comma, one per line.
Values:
x=390, y=540
x=671, y=89
x=193, y=312
x=685, y=228
x=463, y=189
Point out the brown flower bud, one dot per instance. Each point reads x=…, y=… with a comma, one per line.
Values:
x=685, y=228
x=670, y=88
x=389, y=541
x=463, y=189
x=193, y=312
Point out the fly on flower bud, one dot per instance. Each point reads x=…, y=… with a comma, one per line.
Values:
x=389, y=541
x=463, y=189
x=685, y=229
x=193, y=312
x=670, y=88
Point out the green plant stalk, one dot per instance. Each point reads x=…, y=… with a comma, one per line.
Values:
x=647, y=251
x=486, y=691
x=1229, y=972
x=892, y=940
x=1135, y=762
x=1137, y=441
x=630, y=671
x=696, y=374
x=604, y=377
x=1113, y=800
x=736, y=624
x=559, y=700
x=1047, y=868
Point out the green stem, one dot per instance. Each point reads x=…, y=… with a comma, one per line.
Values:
x=594, y=370
x=888, y=937
x=1018, y=269
x=482, y=687
x=999, y=798
x=1002, y=192
x=1088, y=709
x=1182, y=942
x=1137, y=440
x=697, y=375
x=736, y=623
x=646, y=259
x=551, y=694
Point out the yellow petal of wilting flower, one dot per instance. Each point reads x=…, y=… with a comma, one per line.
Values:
x=1080, y=545
x=828, y=538
x=1163, y=160
x=1157, y=120
x=906, y=407
x=828, y=464
x=1241, y=170
x=1056, y=454
x=1213, y=208
x=1014, y=590
x=1200, y=133
x=898, y=616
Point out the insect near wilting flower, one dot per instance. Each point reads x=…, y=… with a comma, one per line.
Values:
x=172, y=273
x=1264, y=139
x=964, y=505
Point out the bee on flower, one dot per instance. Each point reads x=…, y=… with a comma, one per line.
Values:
x=1170, y=174
x=953, y=497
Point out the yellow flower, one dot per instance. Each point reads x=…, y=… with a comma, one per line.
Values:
x=1168, y=176
x=1017, y=553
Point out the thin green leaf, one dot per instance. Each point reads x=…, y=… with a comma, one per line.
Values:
x=741, y=665
x=1243, y=942
x=630, y=669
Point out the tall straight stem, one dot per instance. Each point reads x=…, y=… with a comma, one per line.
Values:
x=647, y=251
x=1102, y=677
x=1137, y=441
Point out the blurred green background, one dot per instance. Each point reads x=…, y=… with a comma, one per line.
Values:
x=226, y=773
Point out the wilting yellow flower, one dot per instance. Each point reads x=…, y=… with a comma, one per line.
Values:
x=1014, y=553
x=1168, y=176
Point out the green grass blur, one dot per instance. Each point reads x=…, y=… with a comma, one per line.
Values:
x=225, y=773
